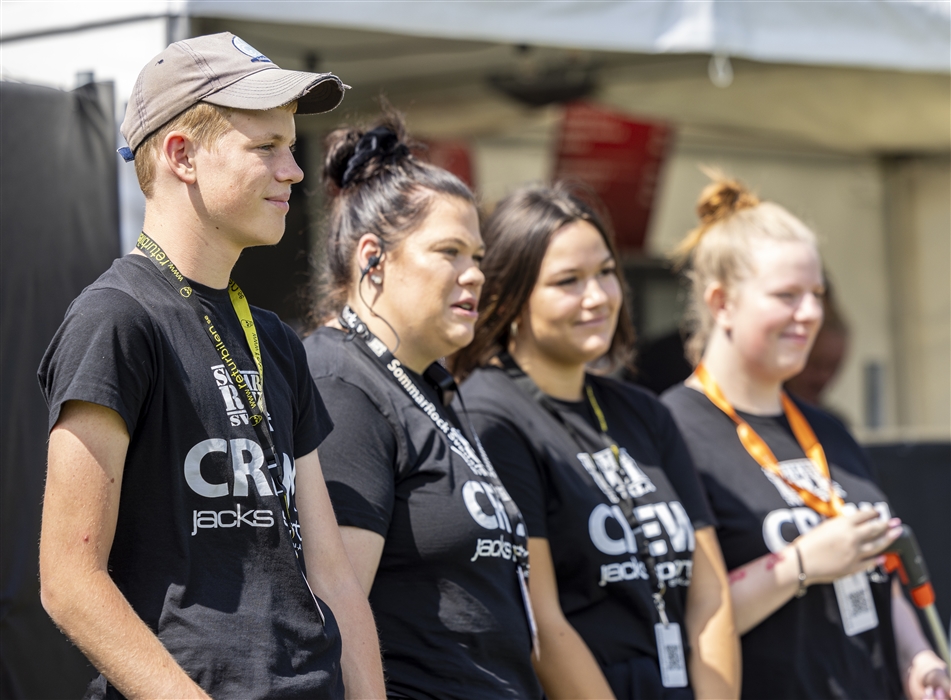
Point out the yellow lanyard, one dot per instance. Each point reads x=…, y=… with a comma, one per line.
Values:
x=602, y=422
x=241, y=308
x=256, y=409
x=759, y=450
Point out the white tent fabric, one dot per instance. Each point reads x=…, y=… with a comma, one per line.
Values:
x=911, y=35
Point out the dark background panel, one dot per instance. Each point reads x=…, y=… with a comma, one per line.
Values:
x=59, y=231
x=277, y=277
x=916, y=476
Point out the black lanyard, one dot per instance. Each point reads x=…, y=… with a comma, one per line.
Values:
x=619, y=496
x=256, y=410
x=477, y=461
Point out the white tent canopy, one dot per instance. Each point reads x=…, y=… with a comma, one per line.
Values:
x=912, y=35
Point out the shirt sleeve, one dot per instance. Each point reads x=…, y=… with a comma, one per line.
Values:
x=681, y=471
x=313, y=421
x=105, y=352
x=517, y=467
x=358, y=458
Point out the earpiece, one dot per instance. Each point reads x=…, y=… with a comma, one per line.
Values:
x=371, y=263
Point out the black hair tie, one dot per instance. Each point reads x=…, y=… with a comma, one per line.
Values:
x=380, y=142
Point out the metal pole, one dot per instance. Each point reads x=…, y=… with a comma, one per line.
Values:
x=937, y=631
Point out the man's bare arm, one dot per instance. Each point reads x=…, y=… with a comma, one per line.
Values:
x=87, y=453
x=332, y=578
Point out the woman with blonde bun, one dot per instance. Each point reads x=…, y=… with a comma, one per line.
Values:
x=434, y=539
x=628, y=583
x=802, y=522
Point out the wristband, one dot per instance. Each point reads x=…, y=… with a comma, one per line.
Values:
x=802, y=574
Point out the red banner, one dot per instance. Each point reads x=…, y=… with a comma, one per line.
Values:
x=620, y=159
x=452, y=156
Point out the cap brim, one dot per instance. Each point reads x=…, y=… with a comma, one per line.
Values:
x=275, y=87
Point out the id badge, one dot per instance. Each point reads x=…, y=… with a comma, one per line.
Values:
x=529, y=612
x=856, y=605
x=670, y=655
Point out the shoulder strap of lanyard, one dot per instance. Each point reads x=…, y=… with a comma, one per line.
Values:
x=759, y=450
x=623, y=500
x=256, y=410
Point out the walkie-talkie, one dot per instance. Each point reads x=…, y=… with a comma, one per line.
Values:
x=904, y=556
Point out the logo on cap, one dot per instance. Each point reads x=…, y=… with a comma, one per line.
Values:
x=248, y=50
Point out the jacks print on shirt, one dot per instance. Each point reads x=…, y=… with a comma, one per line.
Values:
x=485, y=506
x=665, y=526
x=667, y=530
x=207, y=464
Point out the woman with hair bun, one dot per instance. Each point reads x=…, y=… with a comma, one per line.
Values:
x=437, y=543
x=628, y=583
x=802, y=523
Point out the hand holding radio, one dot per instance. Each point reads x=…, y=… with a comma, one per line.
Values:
x=845, y=545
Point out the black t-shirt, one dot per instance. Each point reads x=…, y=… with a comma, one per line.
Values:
x=801, y=650
x=446, y=596
x=603, y=582
x=201, y=549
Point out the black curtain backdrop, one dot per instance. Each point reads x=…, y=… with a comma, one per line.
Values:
x=277, y=277
x=916, y=476
x=59, y=230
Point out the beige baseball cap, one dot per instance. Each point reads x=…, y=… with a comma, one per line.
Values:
x=224, y=70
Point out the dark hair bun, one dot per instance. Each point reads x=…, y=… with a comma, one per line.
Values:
x=339, y=147
x=357, y=155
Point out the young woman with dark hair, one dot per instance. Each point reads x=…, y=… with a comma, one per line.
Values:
x=801, y=520
x=437, y=543
x=618, y=525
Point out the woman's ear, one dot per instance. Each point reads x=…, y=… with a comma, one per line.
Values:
x=718, y=302
x=369, y=252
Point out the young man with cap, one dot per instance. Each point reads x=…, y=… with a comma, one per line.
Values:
x=184, y=424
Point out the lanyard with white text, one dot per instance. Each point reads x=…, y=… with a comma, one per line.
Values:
x=621, y=496
x=759, y=450
x=478, y=462
x=256, y=409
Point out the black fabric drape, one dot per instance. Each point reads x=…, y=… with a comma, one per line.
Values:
x=917, y=478
x=59, y=230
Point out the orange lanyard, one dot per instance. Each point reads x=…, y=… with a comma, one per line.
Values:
x=759, y=450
